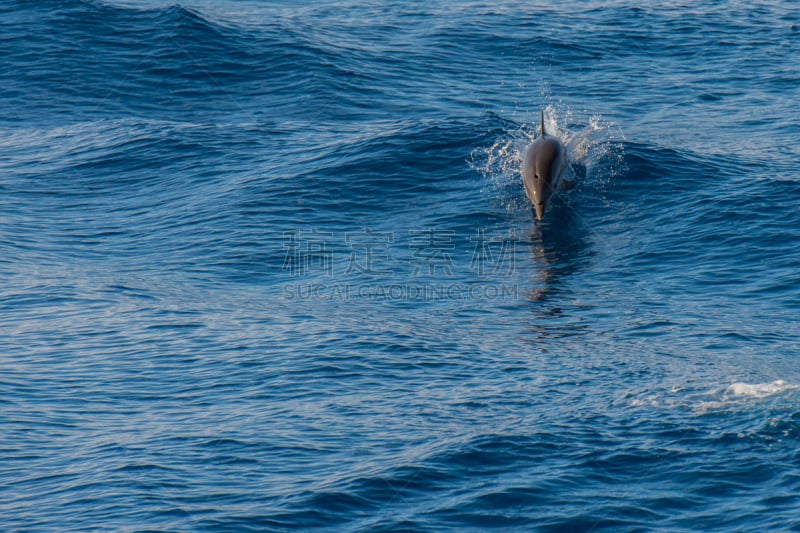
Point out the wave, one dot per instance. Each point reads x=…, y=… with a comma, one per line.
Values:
x=658, y=182
x=83, y=58
x=555, y=484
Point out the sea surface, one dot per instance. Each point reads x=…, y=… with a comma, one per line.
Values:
x=269, y=266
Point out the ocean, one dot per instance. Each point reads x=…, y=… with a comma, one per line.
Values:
x=269, y=266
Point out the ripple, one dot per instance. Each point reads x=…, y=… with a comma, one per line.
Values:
x=186, y=193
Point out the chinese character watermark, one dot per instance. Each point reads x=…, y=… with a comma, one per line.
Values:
x=307, y=250
x=368, y=248
x=431, y=248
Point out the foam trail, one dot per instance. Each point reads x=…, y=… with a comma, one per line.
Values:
x=758, y=390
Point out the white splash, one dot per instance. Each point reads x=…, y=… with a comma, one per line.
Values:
x=594, y=147
x=758, y=390
x=700, y=403
x=741, y=393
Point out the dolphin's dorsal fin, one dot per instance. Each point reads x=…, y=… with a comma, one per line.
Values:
x=541, y=116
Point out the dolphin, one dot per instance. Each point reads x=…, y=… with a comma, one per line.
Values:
x=543, y=170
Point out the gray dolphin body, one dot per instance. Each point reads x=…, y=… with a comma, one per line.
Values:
x=543, y=170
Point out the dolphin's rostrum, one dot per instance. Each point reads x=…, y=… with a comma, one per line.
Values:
x=543, y=170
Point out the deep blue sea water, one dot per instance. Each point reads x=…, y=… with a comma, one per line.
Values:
x=268, y=266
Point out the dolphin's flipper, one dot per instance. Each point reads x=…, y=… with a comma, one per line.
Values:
x=567, y=185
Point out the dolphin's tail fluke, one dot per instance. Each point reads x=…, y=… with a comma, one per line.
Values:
x=541, y=116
